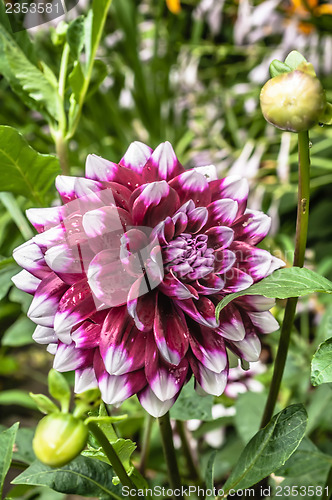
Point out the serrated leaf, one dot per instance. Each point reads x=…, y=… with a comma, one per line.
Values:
x=83, y=476
x=20, y=333
x=190, y=405
x=294, y=59
x=23, y=170
x=269, y=449
x=282, y=284
x=321, y=364
x=7, y=440
x=34, y=86
x=45, y=405
x=59, y=389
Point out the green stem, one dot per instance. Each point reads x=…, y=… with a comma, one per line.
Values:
x=169, y=453
x=63, y=71
x=191, y=465
x=74, y=121
x=328, y=487
x=61, y=149
x=146, y=443
x=111, y=455
x=300, y=246
x=10, y=203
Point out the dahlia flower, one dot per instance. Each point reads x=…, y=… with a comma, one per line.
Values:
x=126, y=274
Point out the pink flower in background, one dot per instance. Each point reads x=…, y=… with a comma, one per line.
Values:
x=127, y=273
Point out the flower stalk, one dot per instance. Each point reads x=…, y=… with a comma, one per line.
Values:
x=111, y=454
x=169, y=453
x=300, y=246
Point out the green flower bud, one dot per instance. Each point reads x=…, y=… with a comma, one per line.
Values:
x=59, y=438
x=294, y=101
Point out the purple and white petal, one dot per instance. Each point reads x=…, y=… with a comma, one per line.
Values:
x=86, y=335
x=220, y=237
x=30, y=257
x=164, y=380
x=194, y=186
x=68, y=357
x=151, y=203
x=173, y=287
x=210, y=381
x=236, y=188
x=85, y=379
x=249, y=348
x=222, y=212
x=116, y=388
x=252, y=227
x=122, y=346
x=44, y=335
x=45, y=218
x=109, y=280
x=153, y=405
x=26, y=281
x=136, y=156
x=209, y=285
x=256, y=302
x=208, y=348
x=231, y=323
x=75, y=306
x=253, y=261
x=236, y=280
x=197, y=219
x=265, y=322
x=45, y=303
x=223, y=260
x=170, y=331
x=162, y=164
x=203, y=311
x=71, y=188
x=99, y=169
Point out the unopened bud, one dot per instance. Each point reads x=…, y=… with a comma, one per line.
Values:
x=293, y=101
x=59, y=438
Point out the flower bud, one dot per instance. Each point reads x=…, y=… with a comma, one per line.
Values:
x=293, y=101
x=59, y=438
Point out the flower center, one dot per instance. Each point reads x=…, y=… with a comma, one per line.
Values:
x=189, y=256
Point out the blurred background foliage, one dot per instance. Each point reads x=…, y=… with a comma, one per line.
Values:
x=190, y=72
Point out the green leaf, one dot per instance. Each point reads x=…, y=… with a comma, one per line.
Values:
x=59, y=388
x=17, y=397
x=36, y=88
x=94, y=25
x=23, y=170
x=7, y=440
x=249, y=410
x=190, y=405
x=282, y=284
x=75, y=36
x=321, y=364
x=6, y=273
x=209, y=473
x=269, y=448
x=45, y=405
x=20, y=333
x=294, y=59
x=306, y=459
x=83, y=476
x=76, y=80
x=124, y=449
x=278, y=68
